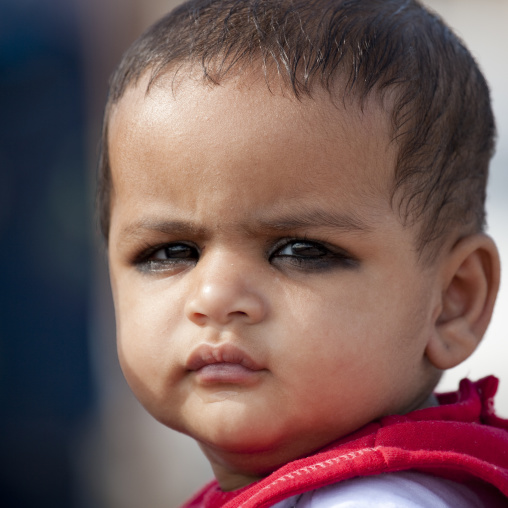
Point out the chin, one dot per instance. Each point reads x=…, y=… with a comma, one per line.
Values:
x=232, y=425
x=241, y=439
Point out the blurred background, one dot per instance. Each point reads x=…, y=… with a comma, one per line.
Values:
x=71, y=433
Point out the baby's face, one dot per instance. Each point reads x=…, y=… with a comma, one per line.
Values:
x=268, y=299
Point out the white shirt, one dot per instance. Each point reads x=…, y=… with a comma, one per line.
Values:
x=404, y=489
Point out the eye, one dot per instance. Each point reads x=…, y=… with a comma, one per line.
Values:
x=303, y=249
x=172, y=257
x=311, y=255
x=176, y=251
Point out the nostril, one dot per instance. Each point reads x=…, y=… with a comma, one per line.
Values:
x=222, y=302
x=199, y=318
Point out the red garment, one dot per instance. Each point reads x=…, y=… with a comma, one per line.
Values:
x=461, y=440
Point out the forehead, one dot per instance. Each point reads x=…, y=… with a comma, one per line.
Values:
x=248, y=138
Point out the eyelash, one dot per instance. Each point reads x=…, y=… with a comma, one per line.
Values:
x=147, y=262
x=325, y=257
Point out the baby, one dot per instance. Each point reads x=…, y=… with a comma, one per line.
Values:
x=292, y=194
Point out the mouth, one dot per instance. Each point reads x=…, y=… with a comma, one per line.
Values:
x=223, y=364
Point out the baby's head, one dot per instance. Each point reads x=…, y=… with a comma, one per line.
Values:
x=293, y=198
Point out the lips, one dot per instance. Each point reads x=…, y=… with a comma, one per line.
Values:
x=223, y=364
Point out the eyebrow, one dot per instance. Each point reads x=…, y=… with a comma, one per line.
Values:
x=317, y=217
x=178, y=227
x=272, y=222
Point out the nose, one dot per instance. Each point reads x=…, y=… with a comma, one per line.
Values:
x=225, y=292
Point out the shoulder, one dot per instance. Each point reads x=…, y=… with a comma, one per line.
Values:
x=407, y=489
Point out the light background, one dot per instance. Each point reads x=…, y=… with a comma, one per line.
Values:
x=125, y=458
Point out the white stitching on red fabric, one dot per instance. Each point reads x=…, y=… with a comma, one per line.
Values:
x=310, y=468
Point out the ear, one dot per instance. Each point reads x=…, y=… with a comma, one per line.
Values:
x=469, y=279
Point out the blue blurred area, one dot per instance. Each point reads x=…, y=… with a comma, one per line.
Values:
x=45, y=381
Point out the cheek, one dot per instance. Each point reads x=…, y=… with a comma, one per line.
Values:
x=326, y=335
x=333, y=315
x=144, y=340
x=144, y=317
x=353, y=325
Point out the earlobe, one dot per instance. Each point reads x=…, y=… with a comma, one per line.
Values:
x=469, y=281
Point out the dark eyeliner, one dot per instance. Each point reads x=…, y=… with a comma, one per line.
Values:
x=327, y=256
x=145, y=262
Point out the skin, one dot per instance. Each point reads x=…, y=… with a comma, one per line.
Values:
x=247, y=218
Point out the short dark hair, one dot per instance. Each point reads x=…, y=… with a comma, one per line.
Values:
x=442, y=118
